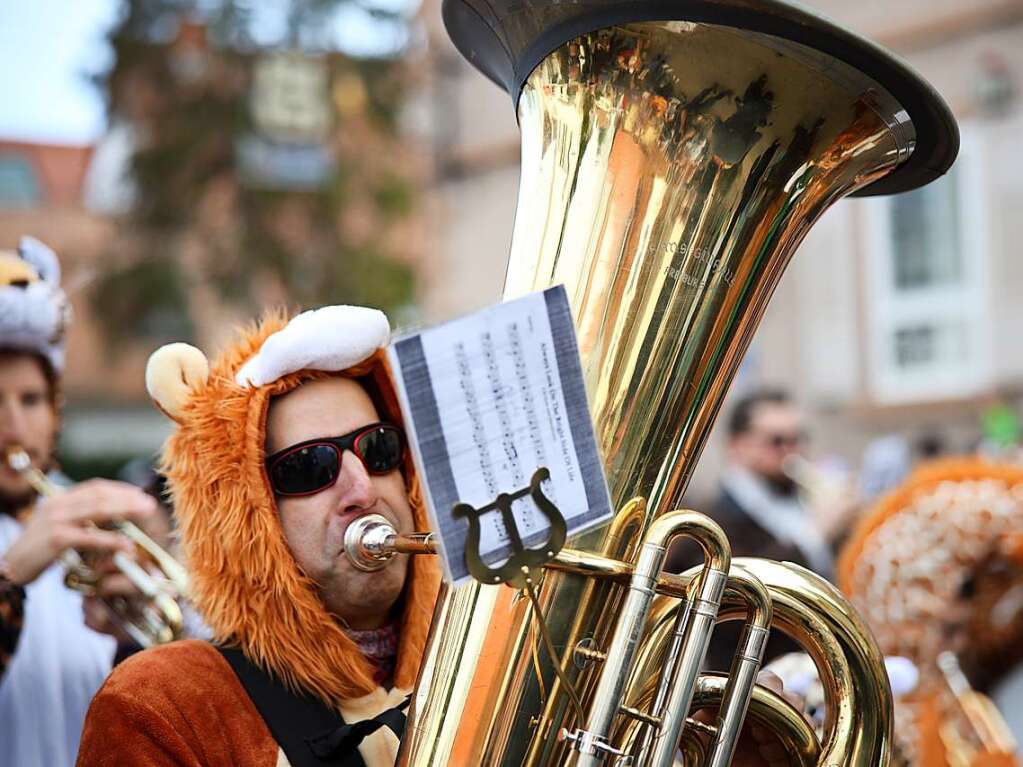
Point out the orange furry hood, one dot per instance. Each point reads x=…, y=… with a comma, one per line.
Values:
x=924, y=480
x=244, y=580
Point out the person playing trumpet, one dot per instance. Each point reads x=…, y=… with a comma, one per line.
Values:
x=51, y=662
x=288, y=437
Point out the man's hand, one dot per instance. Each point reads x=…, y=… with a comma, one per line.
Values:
x=98, y=615
x=759, y=747
x=67, y=521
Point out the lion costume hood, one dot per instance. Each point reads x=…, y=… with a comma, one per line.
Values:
x=244, y=580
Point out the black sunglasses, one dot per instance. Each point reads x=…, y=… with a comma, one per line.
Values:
x=314, y=465
x=779, y=441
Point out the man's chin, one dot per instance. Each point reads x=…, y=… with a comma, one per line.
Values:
x=365, y=594
x=14, y=500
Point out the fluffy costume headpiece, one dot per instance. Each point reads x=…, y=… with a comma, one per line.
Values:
x=952, y=523
x=244, y=579
x=34, y=311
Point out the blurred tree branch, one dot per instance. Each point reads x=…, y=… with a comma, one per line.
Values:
x=184, y=79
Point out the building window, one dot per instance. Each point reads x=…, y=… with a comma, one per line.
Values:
x=925, y=236
x=923, y=346
x=926, y=294
x=19, y=187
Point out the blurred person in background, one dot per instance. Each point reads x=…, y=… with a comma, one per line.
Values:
x=935, y=567
x=762, y=508
x=51, y=663
x=760, y=505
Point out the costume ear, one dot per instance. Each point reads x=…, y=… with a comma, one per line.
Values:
x=42, y=258
x=173, y=372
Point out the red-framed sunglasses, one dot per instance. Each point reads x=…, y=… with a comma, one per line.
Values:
x=314, y=465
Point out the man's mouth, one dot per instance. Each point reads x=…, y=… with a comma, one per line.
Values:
x=10, y=449
x=346, y=519
x=5, y=461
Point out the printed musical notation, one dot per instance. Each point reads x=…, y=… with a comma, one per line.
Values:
x=489, y=400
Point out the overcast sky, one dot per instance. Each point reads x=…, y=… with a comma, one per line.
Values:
x=46, y=49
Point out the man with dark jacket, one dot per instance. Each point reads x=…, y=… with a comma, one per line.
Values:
x=759, y=505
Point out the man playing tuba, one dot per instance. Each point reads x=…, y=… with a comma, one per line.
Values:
x=293, y=432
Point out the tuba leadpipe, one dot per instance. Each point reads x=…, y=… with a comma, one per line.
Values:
x=159, y=619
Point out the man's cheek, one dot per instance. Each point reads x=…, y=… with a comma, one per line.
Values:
x=12, y=482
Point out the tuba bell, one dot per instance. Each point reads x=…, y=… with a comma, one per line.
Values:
x=674, y=155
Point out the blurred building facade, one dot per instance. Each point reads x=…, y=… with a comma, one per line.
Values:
x=42, y=190
x=897, y=315
x=299, y=163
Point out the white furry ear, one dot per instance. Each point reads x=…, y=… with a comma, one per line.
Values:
x=331, y=338
x=42, y=258
x=173, y=372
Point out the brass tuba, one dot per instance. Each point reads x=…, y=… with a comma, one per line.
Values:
x=674, y=154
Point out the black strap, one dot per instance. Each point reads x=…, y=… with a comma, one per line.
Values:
x=310, y=733
x=347, y=738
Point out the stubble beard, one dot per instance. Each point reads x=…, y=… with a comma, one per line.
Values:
x=12, y=503
x=365, y=594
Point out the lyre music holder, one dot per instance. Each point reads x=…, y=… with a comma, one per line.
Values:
x=522, y=564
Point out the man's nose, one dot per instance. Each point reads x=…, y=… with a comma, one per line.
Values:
x=12, y=422
x=357, y=488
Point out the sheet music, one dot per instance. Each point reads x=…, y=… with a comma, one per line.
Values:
x=489, y=399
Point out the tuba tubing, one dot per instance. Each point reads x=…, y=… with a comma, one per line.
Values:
x=858, y=728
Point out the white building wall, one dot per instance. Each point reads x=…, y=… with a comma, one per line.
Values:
x=467, y=270
x=815, y=336
x=1004, y=169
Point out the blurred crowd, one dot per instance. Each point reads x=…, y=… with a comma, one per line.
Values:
x=927, y=542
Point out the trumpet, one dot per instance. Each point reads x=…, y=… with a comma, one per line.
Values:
x=986, y=732
x=158, y=619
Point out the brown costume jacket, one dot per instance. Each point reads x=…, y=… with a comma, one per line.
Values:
x=292, y=678
x=182, y=705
